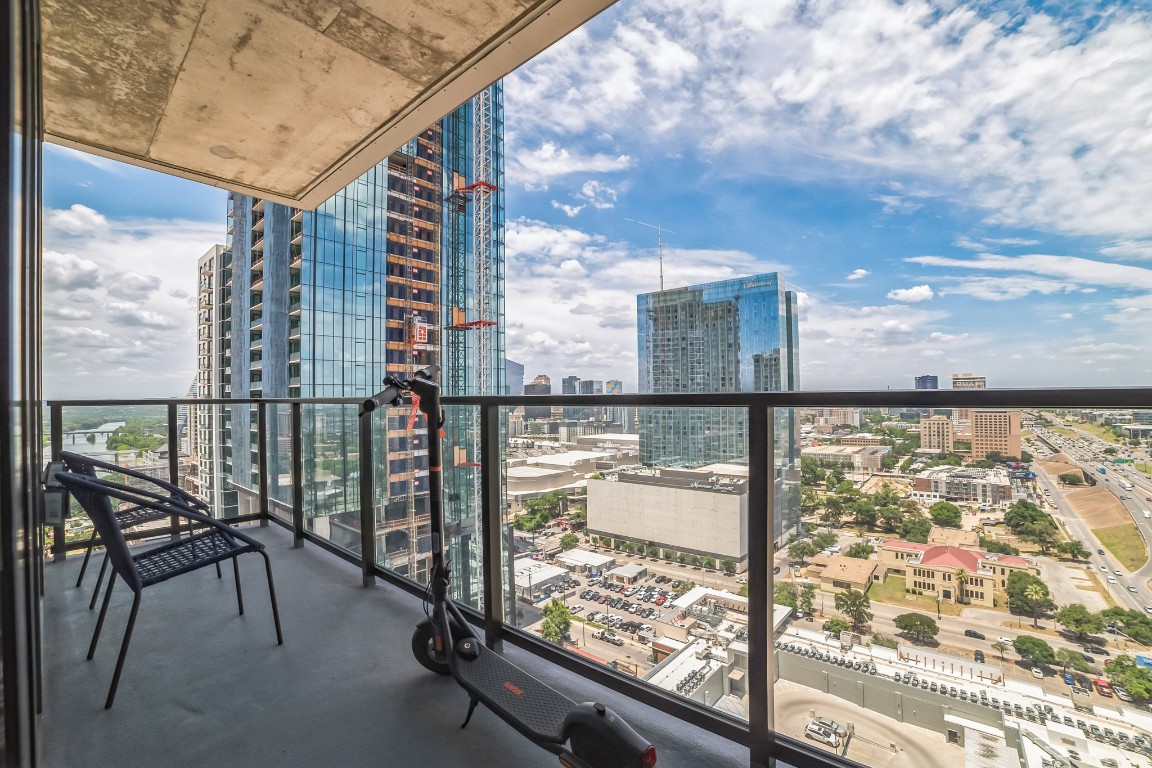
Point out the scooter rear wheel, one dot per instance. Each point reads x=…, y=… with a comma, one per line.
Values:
x=425, y=652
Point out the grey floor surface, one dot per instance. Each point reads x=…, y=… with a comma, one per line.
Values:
x=204, y=686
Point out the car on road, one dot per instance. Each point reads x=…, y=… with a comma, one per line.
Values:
x=1117, y=571
x=1121, y=693
x=978, y=656
x=776, y=569
x=1100, y=551
x=1148, y=609
x=822, y=735
x=831, y=725
x=1111, y=579
x=1097, y=649
x=1068, y=679
x=1006, y=640
x=1037, y=673
x=1131, y=588
x=1103, y=569
x=973, y=633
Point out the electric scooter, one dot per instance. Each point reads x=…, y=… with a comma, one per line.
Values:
x=587, y=735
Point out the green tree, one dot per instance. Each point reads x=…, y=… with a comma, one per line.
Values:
x=1034, y=649
x=824, y=539
x=1073, y=550
x=557, y=620
x=856, y=606
x=1043, y=536
x=809, y=501
x=885, y=642
x=887, y=496
x=1079, y=621
x=915, y=528
x=578, y=519
x=1137, y=680
x=1000, y=647
x=569, y=541
x=861, y=550
x=811, y=473
x=805, y=597
x=1071, y=478
x=728, y=567
x=1074, y=659
x=1022, y=599
x=785, y=593
x=917, y=627
x=834, y=511
x=889, y=518
x=961, y=577
x=835, y=626
x=946, y=514
x=864, y=514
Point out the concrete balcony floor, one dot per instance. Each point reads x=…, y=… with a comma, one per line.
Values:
x=203, y=686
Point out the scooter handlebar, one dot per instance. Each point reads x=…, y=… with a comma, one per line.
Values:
x=391, y=395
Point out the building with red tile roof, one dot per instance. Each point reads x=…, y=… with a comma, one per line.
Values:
x=954, y=574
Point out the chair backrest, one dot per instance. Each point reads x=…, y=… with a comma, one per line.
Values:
x=98, y=505
x=78, y=463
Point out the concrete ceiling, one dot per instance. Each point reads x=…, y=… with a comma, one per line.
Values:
x=288, y=100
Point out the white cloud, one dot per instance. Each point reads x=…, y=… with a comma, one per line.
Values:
x=571, y=296
x=598, y=194
x=898, y=204
x=570, y=210
x=112, y=288
x=539, y=166
x=914, y=294
x=1034, y=119
x=1130, y=249
x=77, y=220
x=1066, y=315
x=1074, y=270
x=858, y=274
x=68, y=272
x=132, y=315
x=53, y=310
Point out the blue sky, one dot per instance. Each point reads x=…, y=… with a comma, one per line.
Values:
x=949, y=186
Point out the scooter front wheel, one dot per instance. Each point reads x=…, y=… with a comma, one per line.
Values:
x=425, y=651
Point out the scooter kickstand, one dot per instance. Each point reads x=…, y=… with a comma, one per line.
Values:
x=472, y=702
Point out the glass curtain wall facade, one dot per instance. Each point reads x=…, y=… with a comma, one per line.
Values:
x=386, y=277
x=736, y=335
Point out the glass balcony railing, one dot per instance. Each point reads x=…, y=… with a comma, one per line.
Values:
x=945, y=576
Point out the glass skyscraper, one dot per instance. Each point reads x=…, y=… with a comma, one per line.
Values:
x=736, y=335
x=401, y=269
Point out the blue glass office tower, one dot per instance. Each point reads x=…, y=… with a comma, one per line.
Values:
x=401, y=269
x=735, y=335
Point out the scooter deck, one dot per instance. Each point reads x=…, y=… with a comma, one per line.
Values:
x=518, y=698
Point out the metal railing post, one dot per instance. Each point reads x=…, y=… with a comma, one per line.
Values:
x=367, y=514
x=492, y=523
x=56, y=440
x=297, y=476
x=173, y=463
x=262, y=458
x=761, y=505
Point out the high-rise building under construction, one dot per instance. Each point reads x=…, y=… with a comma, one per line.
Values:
x=401, y=269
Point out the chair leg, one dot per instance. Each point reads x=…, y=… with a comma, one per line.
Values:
x=123, y=651
x=99, y=581
x=87, y=557
x=239, y=594
x=103, y=612
x=272, y=595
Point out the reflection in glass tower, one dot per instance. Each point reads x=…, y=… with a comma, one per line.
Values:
x=729, y=336
x=401, y=269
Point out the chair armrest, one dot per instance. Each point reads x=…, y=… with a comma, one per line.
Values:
x=173, y=490
x=157, y=501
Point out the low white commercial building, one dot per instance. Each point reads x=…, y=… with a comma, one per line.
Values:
x=533, y=576
x=583, y=561
x=677, y=511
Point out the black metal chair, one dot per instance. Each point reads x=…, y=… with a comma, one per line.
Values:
x=218, y=542
x=126, y=516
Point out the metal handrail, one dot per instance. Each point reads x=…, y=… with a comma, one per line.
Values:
x=758, y=734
